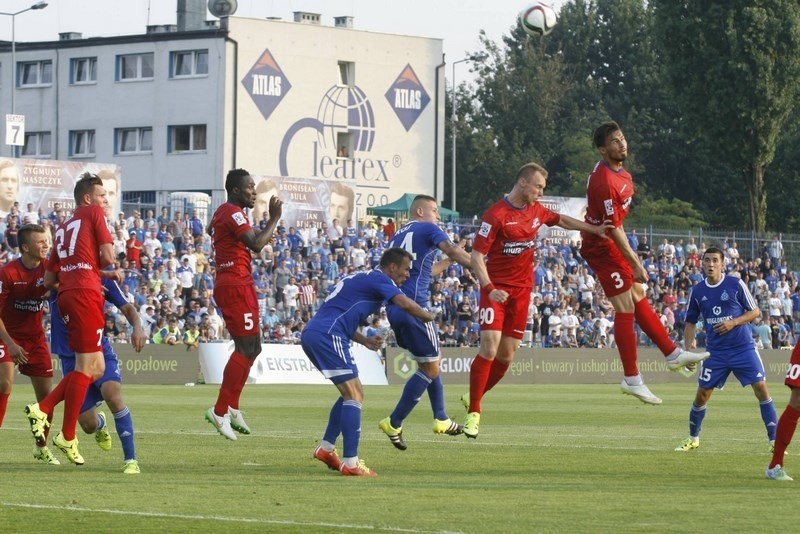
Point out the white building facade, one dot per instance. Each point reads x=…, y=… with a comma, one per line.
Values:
x=299, y=103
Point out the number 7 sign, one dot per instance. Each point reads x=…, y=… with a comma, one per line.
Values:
x=15, y=130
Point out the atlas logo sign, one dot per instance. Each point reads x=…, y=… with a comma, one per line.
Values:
x=266, y=84
x=407, y=97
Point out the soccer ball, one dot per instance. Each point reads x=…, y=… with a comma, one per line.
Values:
x=538, y=19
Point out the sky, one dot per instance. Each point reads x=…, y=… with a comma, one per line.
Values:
x=457, y=22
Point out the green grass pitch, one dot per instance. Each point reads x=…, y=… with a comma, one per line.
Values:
x=578, y=458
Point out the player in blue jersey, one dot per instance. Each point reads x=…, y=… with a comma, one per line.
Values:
x=107, y=388
x=423, y=238
x=727, y=307
x=326, y=342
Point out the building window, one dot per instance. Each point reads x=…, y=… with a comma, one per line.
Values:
x=83, y=70
x=133, y=140
x=343, y=145
x=347, y=73
x=37, y=145
x=135, y=67
x=188, y=63
x=81, y=143
x=190, y=138
x=35, y=73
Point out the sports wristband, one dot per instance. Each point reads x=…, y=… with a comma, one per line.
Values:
x=489, y=287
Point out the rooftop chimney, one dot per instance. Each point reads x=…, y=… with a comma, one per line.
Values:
x=191, y=15
x=343, y=22
x=305, y=17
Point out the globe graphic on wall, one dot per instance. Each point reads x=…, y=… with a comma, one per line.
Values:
x=346, y=109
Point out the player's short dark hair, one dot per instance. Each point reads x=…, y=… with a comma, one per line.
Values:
x=394, y=255
x=601, y=133
x=714, y=250
x=24, y=234
x=85, y=184
x=529, y=169
x=235, y=178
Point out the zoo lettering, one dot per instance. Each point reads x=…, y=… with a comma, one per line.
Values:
x=370, y=170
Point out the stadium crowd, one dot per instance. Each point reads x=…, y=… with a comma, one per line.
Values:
x=169, y=277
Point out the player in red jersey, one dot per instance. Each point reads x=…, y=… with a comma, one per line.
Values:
x=502, y=260
x=609, y=192
x=82, y=245
x=787, y=423
x=235, y=294
x=22, y=297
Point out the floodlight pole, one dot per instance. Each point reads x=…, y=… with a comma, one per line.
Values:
x=453, y=118
x=37, y=5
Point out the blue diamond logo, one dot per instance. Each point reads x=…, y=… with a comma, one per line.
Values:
x=407, y=97
x=266, y=84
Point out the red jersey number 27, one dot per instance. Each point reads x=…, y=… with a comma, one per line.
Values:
x=72, y=230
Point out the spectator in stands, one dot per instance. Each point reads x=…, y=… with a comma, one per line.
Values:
x=775, y=250
x=308, y=296
x=192, y=336
x=196, y=226
x=169, y=334
x=150, y=243
x=389, y=228
x=215, y=323
x=110, y=329
x=358, y=256
x=133, y=250
x=11, y=239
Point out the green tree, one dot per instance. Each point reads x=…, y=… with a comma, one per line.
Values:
x=734, y=68
x=671, y=213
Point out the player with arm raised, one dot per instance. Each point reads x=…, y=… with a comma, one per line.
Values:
x=24, y=343
x=502, y=260
x=326, y=342
x=235, y=294
x=108, y=387
x=609, y=193
x=423, y=238
x=727, y=307
x=81, y=247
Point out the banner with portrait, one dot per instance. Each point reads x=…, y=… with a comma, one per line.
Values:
x=43, y=183
x=575, y=207
x=307, y=202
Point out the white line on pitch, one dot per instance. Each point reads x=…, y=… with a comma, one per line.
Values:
x=216, y=518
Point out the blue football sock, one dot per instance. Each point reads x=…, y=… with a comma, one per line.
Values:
x=124, y=423
x=334, y=422
x=769, y=417
x=351, y=427
x=696, y=416
x=412, y=392
x=436, y=396
x=101, y=423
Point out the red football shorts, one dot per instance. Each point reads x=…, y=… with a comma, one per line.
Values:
x=511, y=316
x=610, y=268
x=793, y=374
x=82, y=311
x=39, y=363
x=239, y=306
